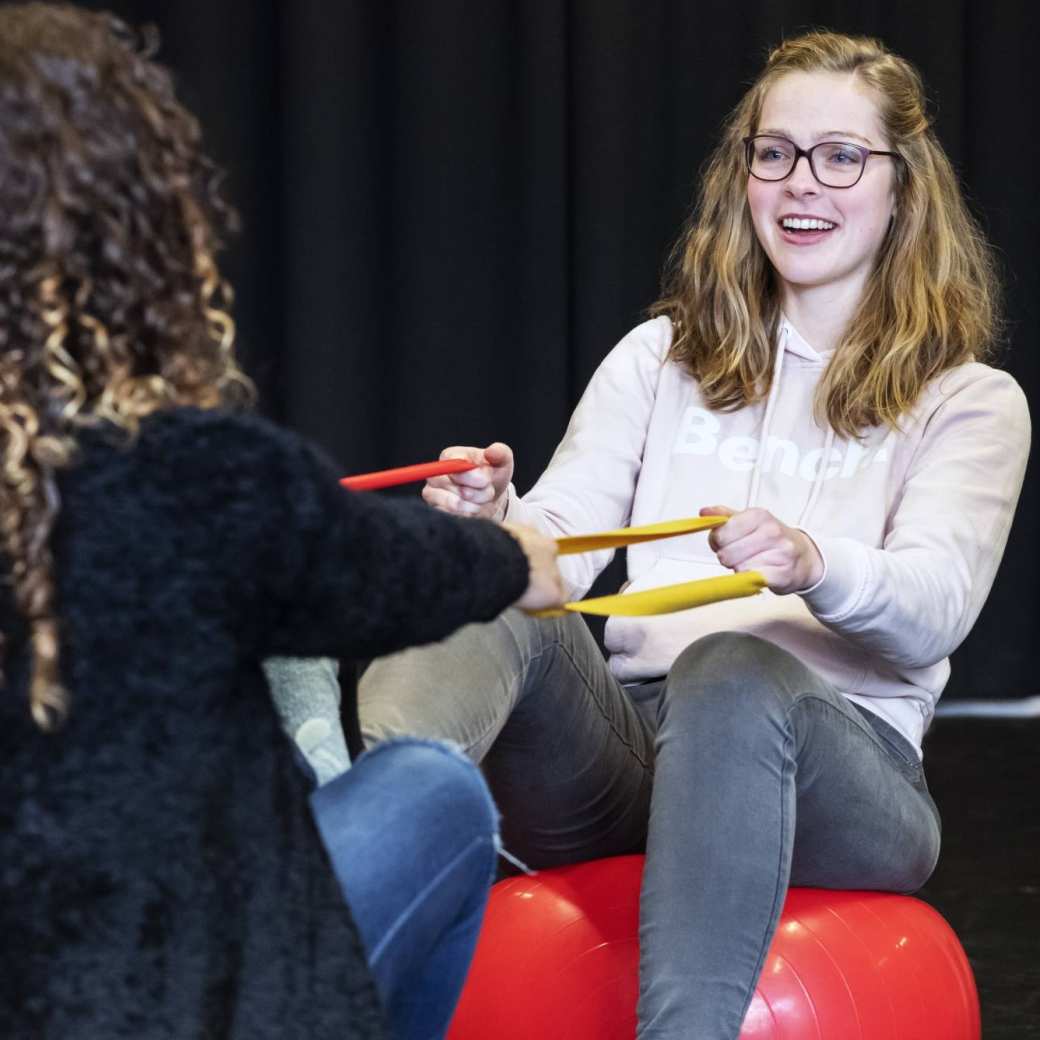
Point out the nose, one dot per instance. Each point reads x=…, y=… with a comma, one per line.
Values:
x=801, y=181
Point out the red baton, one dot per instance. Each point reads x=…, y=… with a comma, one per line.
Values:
x=406, y=474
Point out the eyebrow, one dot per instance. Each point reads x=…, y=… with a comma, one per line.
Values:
x=822, y=136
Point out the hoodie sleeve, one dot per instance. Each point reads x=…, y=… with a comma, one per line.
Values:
x=590, y=481
x=913, y=600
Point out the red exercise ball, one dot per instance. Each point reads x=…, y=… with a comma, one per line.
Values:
x=558, y=957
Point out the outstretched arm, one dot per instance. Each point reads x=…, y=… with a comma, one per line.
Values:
x=358, y=575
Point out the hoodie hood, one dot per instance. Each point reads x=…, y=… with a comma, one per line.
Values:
x=795, y=343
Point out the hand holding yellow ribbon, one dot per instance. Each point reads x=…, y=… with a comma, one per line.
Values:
x=668, y=598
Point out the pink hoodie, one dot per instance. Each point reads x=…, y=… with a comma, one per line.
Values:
x=911, y=524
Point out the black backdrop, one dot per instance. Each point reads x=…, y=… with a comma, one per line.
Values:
x=453, y=208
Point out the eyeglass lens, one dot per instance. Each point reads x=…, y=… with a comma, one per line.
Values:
x=834, y=163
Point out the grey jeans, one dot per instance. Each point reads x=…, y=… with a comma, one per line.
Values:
x=741, y=773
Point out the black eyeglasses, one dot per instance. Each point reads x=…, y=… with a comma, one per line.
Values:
x=841, y=164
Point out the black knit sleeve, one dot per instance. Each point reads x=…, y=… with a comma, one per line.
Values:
x=361, y=575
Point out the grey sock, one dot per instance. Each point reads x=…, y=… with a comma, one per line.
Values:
x=306, y=696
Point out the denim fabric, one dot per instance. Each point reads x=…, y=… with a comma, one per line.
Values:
x=411, y=832
x=741, y=773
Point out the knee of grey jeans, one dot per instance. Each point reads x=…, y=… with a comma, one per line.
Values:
x=734, y=672
x=462, y=688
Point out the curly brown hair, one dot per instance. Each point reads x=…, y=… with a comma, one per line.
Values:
x=111, y=303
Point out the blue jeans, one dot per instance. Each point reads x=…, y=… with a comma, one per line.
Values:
x=740, y=774
x=412, y=835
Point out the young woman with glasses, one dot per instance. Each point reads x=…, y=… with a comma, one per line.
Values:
x=814, y=372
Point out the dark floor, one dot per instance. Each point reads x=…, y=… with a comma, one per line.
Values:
x=985, y=777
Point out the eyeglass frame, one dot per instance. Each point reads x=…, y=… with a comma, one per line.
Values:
x=807, y=152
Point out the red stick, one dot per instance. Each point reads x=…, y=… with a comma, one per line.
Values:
x=406, y=474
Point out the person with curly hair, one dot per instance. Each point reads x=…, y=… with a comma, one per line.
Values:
x=161, y=872
x=814, y=372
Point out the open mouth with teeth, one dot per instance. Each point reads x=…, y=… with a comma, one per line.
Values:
x=806, y=226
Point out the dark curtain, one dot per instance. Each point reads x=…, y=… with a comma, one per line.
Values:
x=454, y=208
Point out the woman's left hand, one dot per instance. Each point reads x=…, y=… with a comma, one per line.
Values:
x=754, y=540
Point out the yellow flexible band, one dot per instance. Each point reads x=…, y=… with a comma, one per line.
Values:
x=667, y=599
x=633, y=535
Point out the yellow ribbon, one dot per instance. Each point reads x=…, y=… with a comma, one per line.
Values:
x=667, y=599
x=633, y=535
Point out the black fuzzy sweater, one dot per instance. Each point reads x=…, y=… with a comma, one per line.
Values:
x=160, y=875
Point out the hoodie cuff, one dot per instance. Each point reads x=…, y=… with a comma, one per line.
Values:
x=518, y=512
x=845, y=573
x=511, y=500
x=823, y=577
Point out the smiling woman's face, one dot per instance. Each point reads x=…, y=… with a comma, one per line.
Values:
x=808, y=107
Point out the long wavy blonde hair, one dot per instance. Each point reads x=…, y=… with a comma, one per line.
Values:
x=930, y=303
x=111, y=303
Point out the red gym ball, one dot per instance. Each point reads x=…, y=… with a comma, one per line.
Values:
x=559, y=951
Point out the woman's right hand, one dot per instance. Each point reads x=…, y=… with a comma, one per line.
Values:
x=545, y=583
x=476, y=492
